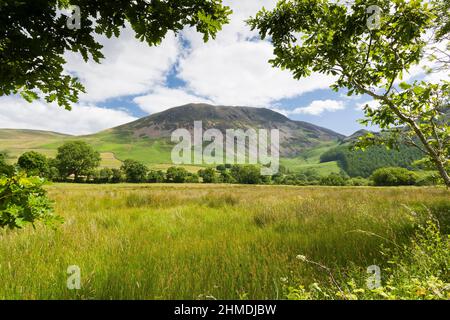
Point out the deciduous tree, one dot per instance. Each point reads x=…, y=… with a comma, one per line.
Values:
x=34, y=163
x=368, y=58
x=35, y=35
x=77, y=158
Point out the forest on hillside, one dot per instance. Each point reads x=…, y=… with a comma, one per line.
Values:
x=358, y=163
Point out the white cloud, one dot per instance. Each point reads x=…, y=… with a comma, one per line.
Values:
x=162, y=98
x=16, y=113
x=315, y=108
x=373, y=104
x=353, y=98
x=318, y=107
x=418, y=71
x=231, y=70
x=237, y=29
x=436, y=77
x=130, y=67
x=284, y=112
x=239, y=74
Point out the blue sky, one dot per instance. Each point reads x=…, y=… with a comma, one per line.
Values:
x=135, y=80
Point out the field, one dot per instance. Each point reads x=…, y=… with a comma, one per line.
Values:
x=115, y=147
x=204, y=241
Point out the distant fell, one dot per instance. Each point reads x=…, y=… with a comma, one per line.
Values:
x=295, y=136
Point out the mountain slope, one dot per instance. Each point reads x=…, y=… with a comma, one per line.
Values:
x=17, y=141
x=148, y=139
x=295, y=136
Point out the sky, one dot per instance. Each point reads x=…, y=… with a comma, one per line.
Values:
x=135, y=80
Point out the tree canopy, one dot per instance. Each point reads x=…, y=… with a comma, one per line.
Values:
x=77, y=158
x=34, y=35
x=336, y=38
x=34, y=163
x=134, y=171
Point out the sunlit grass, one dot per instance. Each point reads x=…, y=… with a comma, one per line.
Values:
x=199, y=241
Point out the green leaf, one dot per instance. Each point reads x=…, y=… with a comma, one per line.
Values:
x=404, y=85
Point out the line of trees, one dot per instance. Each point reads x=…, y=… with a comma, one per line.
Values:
x=78, y=162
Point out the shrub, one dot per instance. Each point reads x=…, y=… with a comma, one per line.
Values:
x=208, y=175
x=156, y=176
x=117, y=176
x=246, y=174
x=394, y=176
x=192, y=178
x=53, y=171
x=23, y=200
x=176, y=175
x=105, y=175
x=221, y=168
x=358, y=182
x=134, y=171
x=226, y=177
x=53, y=174
x=334, y=179
x=5, y=169
x=34, y=163
x=429, y=179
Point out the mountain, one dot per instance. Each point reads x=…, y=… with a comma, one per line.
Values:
x=148, y=139
x=295, y=136
x=354, y=137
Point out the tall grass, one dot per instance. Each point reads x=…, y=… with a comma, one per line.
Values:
x=202, y=241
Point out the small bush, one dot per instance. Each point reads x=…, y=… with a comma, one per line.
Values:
x=333, y=179
x=177, y=175
x=156, y=176
x=135, y=171
x=430, y=179
x=246, y=174
x=394, y=177
x=208, y=175
x=192, y=178
x=358, y=182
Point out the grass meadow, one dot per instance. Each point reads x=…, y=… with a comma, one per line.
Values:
x=204, y=241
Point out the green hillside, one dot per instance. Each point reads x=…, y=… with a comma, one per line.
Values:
x=148, y=139
x=311, y=160
x=116, y=146
x=363, y=163
x=17, y=141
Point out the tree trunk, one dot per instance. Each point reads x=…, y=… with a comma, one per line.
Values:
x=444, y=174
x=431, y=152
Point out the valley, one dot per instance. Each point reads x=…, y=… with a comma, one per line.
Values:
x=147, y=140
